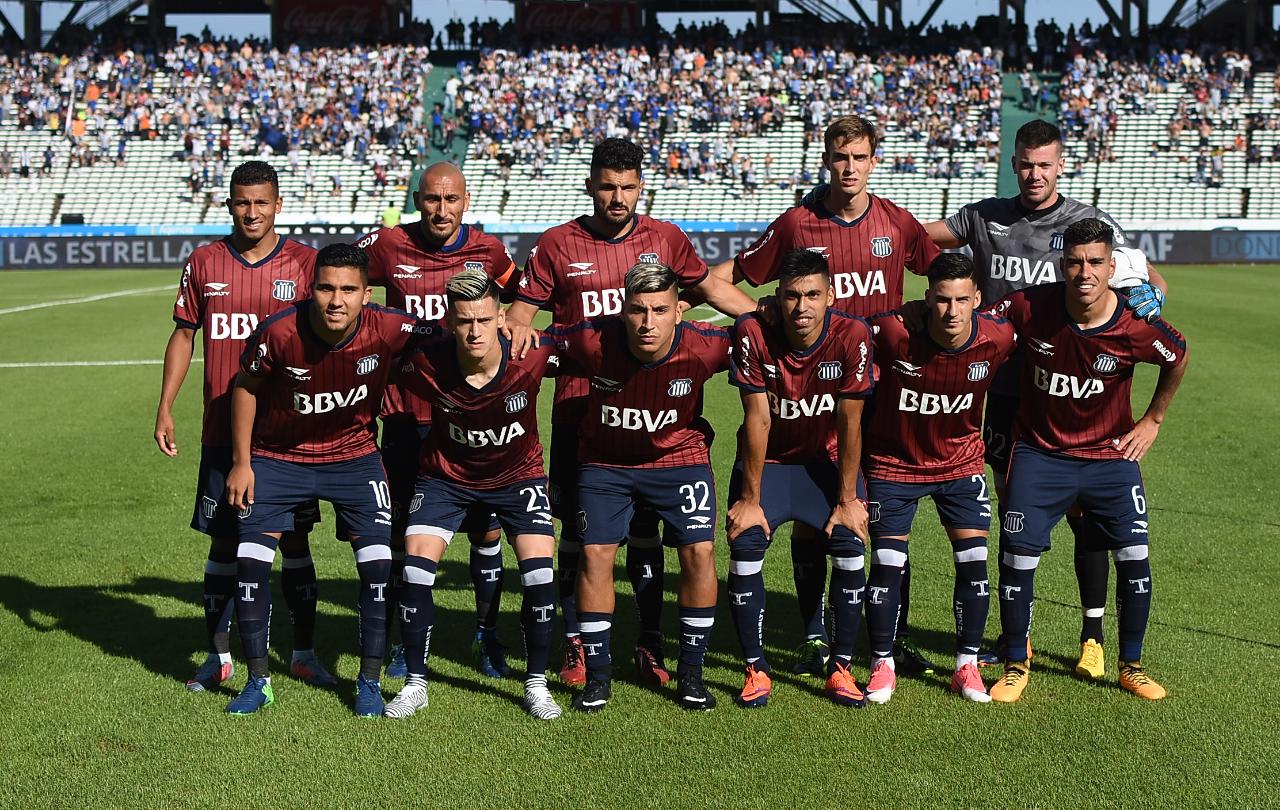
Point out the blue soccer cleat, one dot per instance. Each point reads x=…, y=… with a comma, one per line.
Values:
x=369, y=701
x=490, y=655
x=256, y=694
x=396, y=667
x=308, y=669
x=211, y=674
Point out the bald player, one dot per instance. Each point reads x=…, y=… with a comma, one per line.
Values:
x=414, y=261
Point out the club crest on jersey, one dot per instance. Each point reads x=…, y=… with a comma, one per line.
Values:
x=473, y=266
x=830, y=370
x=516, y=401
x=1105, y=364
x=367, y=365
x=607, y=385
x=651, y=258
x=1013, y=522
x=680, y=388
x=283, y=289
x=979, y=370
x=208, y=507
x=873, y=511
x=1055, y=240
x=416, y=503
x=881, y=246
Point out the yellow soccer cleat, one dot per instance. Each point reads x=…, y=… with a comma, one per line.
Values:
x=1011, y=683
x=1133, y=678
x=1092, y=665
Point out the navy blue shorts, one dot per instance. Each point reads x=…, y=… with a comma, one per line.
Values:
x=1043, y=486
x=357, y=488
x=997, y=430
x=962, y=503
x=401, y=445
x=805, y=493
x=681, y=497
x=563, y=473
x=213, y=517
x=441, y=507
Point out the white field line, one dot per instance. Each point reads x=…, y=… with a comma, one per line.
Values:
x=90, y=363
x=86, y=299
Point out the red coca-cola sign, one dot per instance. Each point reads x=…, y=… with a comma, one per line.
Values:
x=336, y=21
x=601, y=19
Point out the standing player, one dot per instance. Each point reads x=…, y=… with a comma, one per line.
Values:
x=483, y=451
x=868, y=241
x=924, y=439
x=1017, y=243
x=1075, y=441
x=802, y=384
x=310, y=385
x=576, y=270
x=227, y=288
x=414, y=261
x=644, y=443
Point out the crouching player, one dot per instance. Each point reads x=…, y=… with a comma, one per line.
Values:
x=644, y=443
x=924, y=438
x=482, y=454
x=311, y=382
x=1075, y=440
x=802, y=381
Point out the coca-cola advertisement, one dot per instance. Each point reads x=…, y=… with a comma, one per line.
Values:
x=596, y=19
x=335, y=22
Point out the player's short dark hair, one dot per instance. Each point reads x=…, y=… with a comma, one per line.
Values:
x=949, y=267
x=470, y=285
x=648, y=277
x=617, y=154
x=850, y=128
x=800, y=262
x=1087, y=232
x=341, y=254
x=255, y=173
x=1037, y=133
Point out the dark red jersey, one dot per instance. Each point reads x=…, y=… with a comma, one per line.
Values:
x=925, y=422
x=414, y=273
x=643, y=414
x=227, y=297
x=803, y=387
x=577, y=275
x=487, y=437
x=317, y=402
x=866, y=256
x=1075, y=383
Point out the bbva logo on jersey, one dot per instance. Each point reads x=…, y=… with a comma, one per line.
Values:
x=367, y=365
x=830, y=370
x=680, y=388
x=283, y=289
x=517, y=401
x=881, y=246
x=979, y=370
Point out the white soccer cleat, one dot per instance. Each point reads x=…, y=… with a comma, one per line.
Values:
x=411, y=698
x=538, y=700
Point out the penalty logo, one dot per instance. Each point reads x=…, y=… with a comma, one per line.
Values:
x=881, y=246
x=651, y=258
x=979, y=370
x=283, y=289
x=516, y=401
x=680, y=388
x=1105, y=364
x=1055, y=241
x=830, y=370
x=367, y=365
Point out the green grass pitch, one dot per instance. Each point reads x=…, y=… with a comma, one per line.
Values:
x=99, y=624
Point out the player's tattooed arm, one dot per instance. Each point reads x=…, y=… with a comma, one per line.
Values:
x=942, y=236
x=746, y=511
x=850, y=511
x=177, y=361
x=519, y=329
x=1135, y=444
x=244, y=407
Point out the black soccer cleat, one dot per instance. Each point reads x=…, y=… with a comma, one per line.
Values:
x=594, y=697
x=692, y=693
